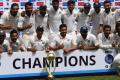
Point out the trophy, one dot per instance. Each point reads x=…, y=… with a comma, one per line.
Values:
x=50, y=57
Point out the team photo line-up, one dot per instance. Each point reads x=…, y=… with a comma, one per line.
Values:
x=54, y=28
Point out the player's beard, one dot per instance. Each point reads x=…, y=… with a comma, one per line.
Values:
x=63, y=34
x=29, y=12
x=107, y=10
x=14, y=13
x=97, y=11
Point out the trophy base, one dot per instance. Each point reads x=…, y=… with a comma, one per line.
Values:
x=50, y=77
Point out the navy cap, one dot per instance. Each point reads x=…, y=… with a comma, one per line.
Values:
x=97, y=5
x=84, y=29
x=2, y=33
x=87, y=5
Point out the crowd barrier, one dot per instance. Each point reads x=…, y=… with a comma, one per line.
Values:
x=27, y=64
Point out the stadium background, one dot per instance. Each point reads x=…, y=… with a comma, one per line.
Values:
x=5, y=4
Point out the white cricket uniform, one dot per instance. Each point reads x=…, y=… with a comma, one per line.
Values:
x=117, y=60
x=16, y=45
x=117, y=12
x=82, y=20
x=108, y=19
x=42, y=22
x=89, y=41
x=27, y=21
x=5, y=45
x=117, y=57
x=54, y=19
x=28, y=33
x=38, y=44
x=69, y=20
x=105, y=43
x=117, y=39
x=68, y=41
x=95, y=19
x=8, y=19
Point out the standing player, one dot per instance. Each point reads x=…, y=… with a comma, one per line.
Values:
x=27, y=23
x=9, y=19
x=94, y=17
x=41, y=19
x=54, y=18
x=107, y=17
x=82, y=17
x=69, y=17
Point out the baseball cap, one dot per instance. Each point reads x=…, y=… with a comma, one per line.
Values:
x=87, y=5
x=97, y=5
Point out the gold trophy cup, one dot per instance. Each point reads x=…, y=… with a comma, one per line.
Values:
x=50, y=57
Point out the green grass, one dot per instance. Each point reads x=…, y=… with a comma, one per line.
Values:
x=90, y=77
x=100, y=77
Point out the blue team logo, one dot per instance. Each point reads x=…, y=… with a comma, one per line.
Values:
x=109, y=58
